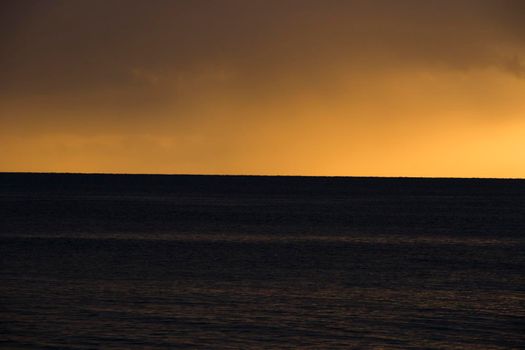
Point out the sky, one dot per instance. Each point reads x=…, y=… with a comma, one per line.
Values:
x=274, y=87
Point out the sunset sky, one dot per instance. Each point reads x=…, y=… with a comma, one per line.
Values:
x=366, y=88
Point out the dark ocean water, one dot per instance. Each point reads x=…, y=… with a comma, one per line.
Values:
x=163, y=262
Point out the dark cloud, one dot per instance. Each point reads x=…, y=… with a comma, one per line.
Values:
x=220, y=70
x=59, y=46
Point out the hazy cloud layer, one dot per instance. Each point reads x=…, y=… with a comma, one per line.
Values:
x=311, y=87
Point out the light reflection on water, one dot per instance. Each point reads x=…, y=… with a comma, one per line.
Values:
x=394, y=239
x=163, y=262
x=261, y=293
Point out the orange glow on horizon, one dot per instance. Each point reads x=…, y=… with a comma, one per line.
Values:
x=290, y=88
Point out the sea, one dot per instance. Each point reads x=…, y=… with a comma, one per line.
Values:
x=94, y=261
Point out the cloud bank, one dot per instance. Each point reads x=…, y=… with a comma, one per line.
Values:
x=330, y=87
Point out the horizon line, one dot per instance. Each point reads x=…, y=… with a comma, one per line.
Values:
x=260, y=175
